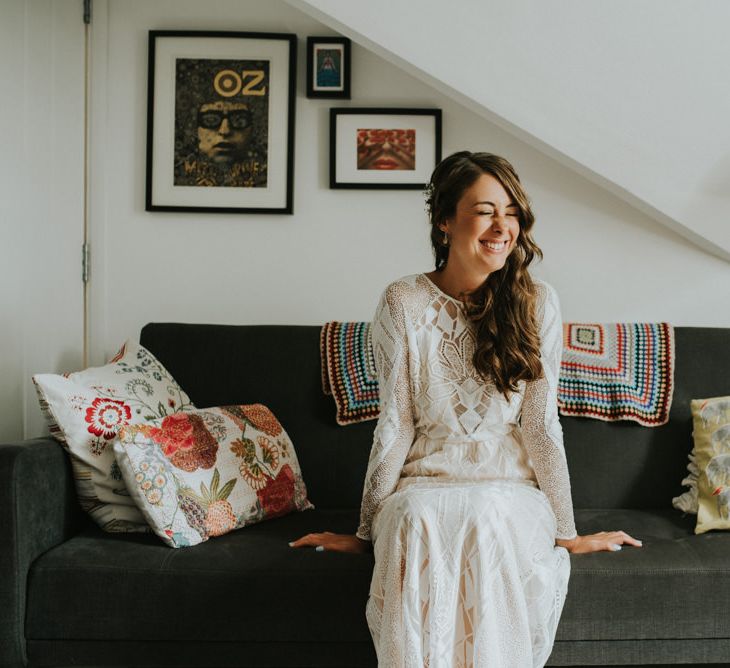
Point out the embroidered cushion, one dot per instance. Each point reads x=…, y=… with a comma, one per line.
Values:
x=688, y=502
x=711, y=433
x=86, y=409
x=205, y=473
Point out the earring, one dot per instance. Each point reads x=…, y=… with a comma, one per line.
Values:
x=446, y=239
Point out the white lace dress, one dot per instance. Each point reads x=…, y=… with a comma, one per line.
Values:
x=465, y=493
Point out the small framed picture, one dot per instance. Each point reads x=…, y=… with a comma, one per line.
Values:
x=383, y=148
x=220, y=122
x=328, y=67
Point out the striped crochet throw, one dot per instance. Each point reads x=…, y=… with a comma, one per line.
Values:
x=617, y=371
x=348, y=370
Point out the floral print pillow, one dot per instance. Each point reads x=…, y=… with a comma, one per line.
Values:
x=205, y=473
x=85, y=410
x=711, y=436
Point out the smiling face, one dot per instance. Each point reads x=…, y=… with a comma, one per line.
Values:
x=484, y=228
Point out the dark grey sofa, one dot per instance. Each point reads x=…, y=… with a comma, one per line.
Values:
x=71, y=595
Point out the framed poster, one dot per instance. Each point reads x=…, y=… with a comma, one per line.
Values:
x=328, y=67
x=220, y=122
x=383, y=148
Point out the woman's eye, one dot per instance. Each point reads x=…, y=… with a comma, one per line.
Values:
x=485, y=213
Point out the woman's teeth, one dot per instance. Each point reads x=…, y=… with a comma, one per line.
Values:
x=494, y=245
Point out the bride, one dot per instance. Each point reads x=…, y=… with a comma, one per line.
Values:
x=466, y=502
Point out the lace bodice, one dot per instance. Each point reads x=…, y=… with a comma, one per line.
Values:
x=439, y=419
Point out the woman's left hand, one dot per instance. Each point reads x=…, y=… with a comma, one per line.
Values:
x=608, y=541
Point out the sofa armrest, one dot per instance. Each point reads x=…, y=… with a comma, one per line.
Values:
x=38, y=510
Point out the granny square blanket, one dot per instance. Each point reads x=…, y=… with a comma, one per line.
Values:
x=609, y=371
x=348, y=370
x=617, y=371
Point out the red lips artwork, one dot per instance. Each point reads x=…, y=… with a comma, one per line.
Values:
x=385, y=149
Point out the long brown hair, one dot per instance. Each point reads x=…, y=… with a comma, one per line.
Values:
x=504, y=306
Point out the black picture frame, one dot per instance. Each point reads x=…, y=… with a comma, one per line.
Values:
x=355, y=165
x=342, y=50
x=228, y=75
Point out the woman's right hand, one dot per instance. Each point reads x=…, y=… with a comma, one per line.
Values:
x=333, y=542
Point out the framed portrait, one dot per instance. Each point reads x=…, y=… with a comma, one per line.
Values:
x=328, y=67
x=383, y=148
x=220, y=122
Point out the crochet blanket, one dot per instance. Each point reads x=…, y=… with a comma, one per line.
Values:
x=348, y=370
x=617, y=371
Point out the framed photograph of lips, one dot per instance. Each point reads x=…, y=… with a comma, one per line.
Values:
x=220, y=122
x=383, y=148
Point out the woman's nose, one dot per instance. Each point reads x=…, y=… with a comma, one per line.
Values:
x=498, y=219
x=224, y=128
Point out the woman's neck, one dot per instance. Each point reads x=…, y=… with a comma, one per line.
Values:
x=455, y=282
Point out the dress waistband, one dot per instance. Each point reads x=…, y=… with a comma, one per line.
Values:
x=476, y=437
x=442, y=481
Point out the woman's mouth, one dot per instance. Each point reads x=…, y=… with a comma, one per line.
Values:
x=494, y=246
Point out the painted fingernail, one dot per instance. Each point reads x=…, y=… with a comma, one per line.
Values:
x=615, y=547
x=640, y=543
x=291, y=544
x=319, y=548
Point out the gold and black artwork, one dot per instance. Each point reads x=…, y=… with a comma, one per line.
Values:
x=221, y=123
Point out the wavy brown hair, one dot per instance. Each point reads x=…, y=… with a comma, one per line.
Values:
x=504, y=306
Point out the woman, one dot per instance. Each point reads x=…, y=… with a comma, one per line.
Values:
x=467, y=496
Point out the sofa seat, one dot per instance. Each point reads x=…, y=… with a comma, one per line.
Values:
x=99, y=586
x=254, y=576
x=689, y=574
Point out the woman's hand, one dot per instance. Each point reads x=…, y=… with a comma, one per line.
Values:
x=333, y=542
x=610, y=541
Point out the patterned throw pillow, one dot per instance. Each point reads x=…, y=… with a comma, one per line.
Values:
x=688, y=502
x=86, y=409
x=711, y=424
x=208, y=472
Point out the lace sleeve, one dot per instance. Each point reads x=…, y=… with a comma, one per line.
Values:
x=541, y=430
x=395, y=430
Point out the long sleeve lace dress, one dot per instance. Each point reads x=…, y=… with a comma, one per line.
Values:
x=465, y=493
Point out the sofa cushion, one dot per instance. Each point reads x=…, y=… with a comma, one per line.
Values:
x=207, y=472
x=87, y=408
x=708, y=416
x=711, y=432
x=672, y=587
x=253, y=576
x=279, y=365
x=248, y=585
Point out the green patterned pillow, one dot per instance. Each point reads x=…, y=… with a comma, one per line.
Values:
x=711, y=423
x=86, y=409
x=205, y=473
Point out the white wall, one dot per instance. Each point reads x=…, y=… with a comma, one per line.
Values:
x=632, y=95
x=41, y=172
x=332, y=258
